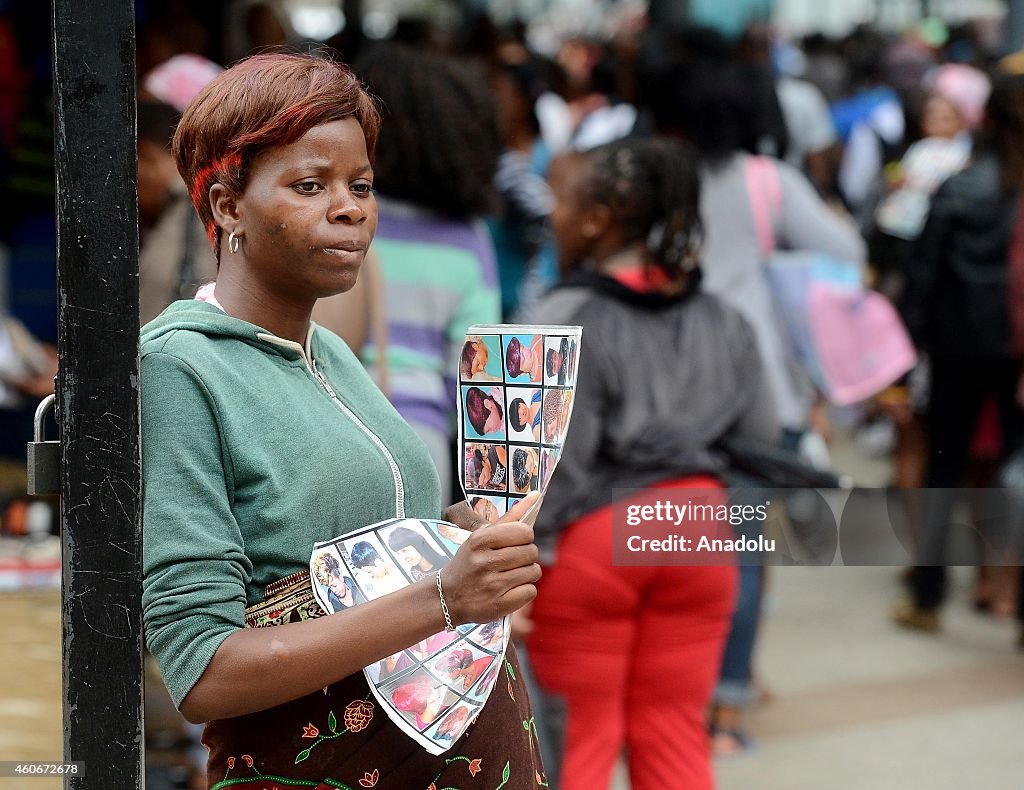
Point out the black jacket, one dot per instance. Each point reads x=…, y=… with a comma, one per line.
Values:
x=956, y=303
x=661, y=380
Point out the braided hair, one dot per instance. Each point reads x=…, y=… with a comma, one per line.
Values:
x=652, y=187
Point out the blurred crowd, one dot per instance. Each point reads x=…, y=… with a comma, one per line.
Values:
x=658, y=178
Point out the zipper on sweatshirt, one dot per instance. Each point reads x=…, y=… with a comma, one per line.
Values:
x=327, y=388
x=395, y=472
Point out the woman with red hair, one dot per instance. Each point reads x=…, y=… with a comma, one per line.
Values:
x=263, y=435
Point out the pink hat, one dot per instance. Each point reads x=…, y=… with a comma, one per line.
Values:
x=177, y=81
x=964, y=87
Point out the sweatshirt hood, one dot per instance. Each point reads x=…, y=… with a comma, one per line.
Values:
x=195, y=316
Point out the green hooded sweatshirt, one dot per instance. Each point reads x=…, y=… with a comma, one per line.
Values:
x=254, y=448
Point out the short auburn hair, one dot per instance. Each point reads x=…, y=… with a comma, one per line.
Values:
x=261, y=102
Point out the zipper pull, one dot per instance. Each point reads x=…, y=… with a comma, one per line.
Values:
x=323, y=381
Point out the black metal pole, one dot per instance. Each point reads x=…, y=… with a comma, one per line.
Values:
x=97, y=390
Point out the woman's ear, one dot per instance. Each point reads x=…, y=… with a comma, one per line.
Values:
x=597, y=221
x=224, y=207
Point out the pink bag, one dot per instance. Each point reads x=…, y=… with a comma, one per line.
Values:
x=849, y=338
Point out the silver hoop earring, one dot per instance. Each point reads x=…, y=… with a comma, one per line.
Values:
x=233, y=242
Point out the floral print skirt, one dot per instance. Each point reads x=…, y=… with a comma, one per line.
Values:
x=340, y=738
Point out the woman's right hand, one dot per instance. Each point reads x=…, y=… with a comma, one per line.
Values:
x=492, y=574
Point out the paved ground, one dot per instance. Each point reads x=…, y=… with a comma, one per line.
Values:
x=30, y=683
x=860, y=704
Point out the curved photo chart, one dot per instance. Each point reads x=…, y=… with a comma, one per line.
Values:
x=433, y=689
x=517, y=385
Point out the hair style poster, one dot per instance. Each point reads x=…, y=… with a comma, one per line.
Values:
x=516, y=389
x=434, y=689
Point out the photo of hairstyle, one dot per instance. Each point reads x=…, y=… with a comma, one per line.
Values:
x=433, y=644
x=489, y=635
x=552, y=415
x=571, y=362
x=513, y=358
x=463, y=666
x=484, y=412
x=514, y=418
x=454, y=535
x=364, y=555
x=422, y=699
x=480, y=359
x=453, y=724
x=415, y=551
x=548, y=460
x=486, y=681
x=486, y=508
x=524, y=419
x=523, y=357
x=411, y=697
x=390, y=666
x=555, y=362
x=325, y=566
x=376, y=573
x=525, y=470
x=338, y=589
x=486, y=467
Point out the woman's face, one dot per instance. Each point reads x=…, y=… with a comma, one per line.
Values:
x=337, y=585
x=453, y=722
x=531, y=462
x=409, y=555
x=308, y=214
x=557, y=360
x=479, y=359
x=941, y=118
x=493, y=422
x=524, y=414
x=514, y=108
x=526, y=358
x=485, y=472
x=568, y=217
x=378, y=570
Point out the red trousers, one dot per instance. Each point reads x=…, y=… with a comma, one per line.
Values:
x=635, y=653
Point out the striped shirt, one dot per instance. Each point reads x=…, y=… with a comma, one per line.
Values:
x=440, y=277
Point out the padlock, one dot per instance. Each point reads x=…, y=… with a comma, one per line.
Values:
x=43, y=457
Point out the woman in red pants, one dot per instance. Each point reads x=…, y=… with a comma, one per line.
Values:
x=665, y=372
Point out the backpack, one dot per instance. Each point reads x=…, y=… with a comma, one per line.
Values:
x=848, y=338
